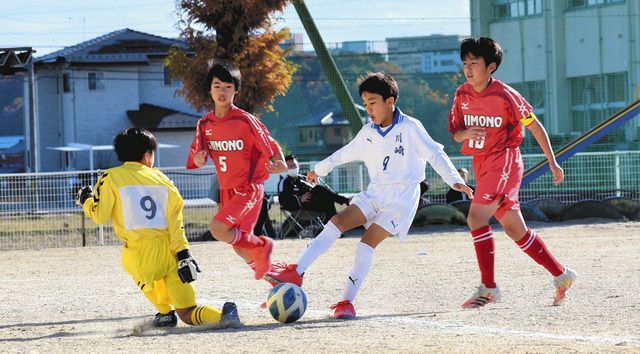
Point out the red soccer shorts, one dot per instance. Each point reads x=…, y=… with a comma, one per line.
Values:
x=240, y=207
x=498, y=177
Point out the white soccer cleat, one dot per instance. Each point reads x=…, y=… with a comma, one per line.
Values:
x=563, y=282
x=483, y=296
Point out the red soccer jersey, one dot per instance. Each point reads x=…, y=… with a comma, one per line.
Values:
x=499, y=109
x=239, y=145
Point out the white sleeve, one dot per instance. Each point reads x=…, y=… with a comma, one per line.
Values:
x=350, y=152
x=433, y=152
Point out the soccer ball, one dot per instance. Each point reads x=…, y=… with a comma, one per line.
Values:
x=287, y=302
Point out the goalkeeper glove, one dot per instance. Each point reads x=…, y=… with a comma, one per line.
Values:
x=187, y=267
x=84, y=194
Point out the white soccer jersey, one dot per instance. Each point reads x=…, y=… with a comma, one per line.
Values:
x=398, y=154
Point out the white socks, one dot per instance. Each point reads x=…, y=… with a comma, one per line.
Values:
x=318, y=246
x=361, y=267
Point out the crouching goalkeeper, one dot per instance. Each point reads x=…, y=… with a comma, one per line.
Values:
x=146, y=211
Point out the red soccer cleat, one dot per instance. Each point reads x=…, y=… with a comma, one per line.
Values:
x=283, y=273
x=262, y=257
x=344, y=310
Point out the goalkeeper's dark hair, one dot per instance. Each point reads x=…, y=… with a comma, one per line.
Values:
x=484, y=47
x=379, y=82
x=131, y=144
x=225, y=72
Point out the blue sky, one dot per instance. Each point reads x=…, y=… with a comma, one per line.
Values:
x=47, y=28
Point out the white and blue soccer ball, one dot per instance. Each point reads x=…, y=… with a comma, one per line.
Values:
x=287, y=302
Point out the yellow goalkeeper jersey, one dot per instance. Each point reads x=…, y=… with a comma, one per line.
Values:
x=142, y=203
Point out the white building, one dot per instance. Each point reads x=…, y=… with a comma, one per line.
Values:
x=577, y=61
x=427, y=54
x=87, y=93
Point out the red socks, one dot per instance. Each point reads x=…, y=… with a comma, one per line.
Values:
x=533, y=245
x=485, y=248
x=246, y=240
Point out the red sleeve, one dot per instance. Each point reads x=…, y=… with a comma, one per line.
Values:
x=263, y=139
x=456, y=122
x=198, y=144
x=519, y=107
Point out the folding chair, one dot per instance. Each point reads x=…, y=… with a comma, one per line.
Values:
x=301, y=223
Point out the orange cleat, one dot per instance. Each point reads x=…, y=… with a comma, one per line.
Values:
x=283, y=273
x=344, y=310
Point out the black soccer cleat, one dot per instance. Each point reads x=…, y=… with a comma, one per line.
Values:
x=230, y=316
x=165, y=320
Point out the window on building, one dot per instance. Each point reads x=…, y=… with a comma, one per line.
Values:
x=309, y=136
x=585, y=3
x=595, y=98
x=96, y=81
x=66, y=82
x=516, y=8
x=166, y=76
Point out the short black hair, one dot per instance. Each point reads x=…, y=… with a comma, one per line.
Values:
x=484, y=47
x=289, y=157
x=225, y=72
x=379, y=82
x=131, y=144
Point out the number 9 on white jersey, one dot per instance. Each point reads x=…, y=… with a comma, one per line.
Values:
x=144, y=207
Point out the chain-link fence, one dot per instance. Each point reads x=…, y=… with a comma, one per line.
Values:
x=38, y=210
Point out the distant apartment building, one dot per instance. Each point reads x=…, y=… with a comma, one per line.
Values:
x=426, y=54
x=576, y=61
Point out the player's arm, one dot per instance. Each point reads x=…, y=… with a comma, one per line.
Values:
x=267, y=145
x=99, y=205
x=434, y=153
x=459, y=131
x=350, y=152
x=198, y=152
x=278, y=164
x=541, y=136
x=177, y=239
x=187, y=266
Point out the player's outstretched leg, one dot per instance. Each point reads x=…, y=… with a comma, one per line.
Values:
x=483, y=296
x=293, y=273
x=563, y=282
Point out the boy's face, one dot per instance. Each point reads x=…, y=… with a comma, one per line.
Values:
x=378, y=109
x=476, y=71
x=222, y=92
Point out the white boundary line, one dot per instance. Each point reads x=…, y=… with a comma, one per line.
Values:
x=471, y=329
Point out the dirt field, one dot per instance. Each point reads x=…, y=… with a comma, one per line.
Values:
x=80, y=300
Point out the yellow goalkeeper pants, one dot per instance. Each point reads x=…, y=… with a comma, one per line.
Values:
x=154, y=269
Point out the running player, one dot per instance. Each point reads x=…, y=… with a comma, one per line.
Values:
x=487, y=118
x=241, y=148
x=395, y=148
x=146, y=210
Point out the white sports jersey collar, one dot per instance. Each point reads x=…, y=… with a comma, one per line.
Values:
x=398, y=117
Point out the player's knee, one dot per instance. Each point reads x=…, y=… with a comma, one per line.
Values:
x=217, y=228
x=475, y=220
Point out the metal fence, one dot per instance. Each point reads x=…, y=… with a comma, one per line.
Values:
x=37, y=210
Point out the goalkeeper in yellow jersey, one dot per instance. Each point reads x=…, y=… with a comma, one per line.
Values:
x=146, y=211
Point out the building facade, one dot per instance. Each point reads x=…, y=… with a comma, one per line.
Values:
x=576, y=61
x=87, y=93
x=427, y=54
